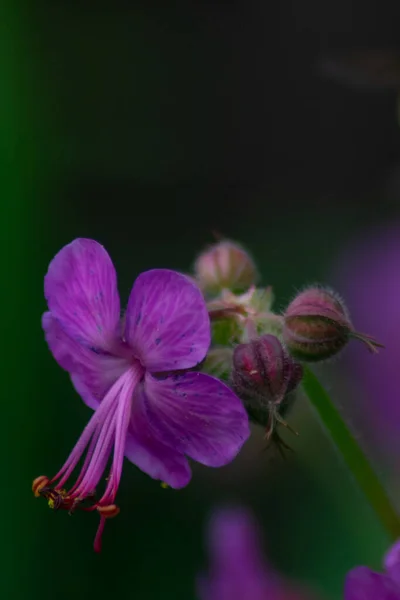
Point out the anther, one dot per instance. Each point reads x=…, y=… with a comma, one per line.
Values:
x=38, y=484
x=108, y=512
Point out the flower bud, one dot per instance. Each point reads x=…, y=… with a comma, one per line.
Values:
x=225, y=265
x=263, y=368
x=263, y=375
x=317, y=326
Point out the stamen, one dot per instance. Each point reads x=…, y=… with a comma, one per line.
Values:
x=99, y=535
x=96, y=421
x=96, y=463
x=122, y=423
x=108, y=512
x=38, y=484
x=107, y=428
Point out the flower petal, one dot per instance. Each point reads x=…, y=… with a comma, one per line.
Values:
x=237, y=565
x=167, y=322
x=81, y=292
x=238, y=569
x=91, y=373
x=84, y=392
x=197, y=415
x=363, y=584
x=392, y=562
x=149, y=454
x=234, y=541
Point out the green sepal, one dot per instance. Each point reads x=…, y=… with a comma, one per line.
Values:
x=218, y=363
x=225, y=332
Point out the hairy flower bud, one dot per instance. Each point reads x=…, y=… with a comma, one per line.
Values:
x=225, y=265
x=263, y=374
x=317, y=326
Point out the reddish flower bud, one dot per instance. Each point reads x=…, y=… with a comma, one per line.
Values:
x=317, y=326
x=264, y=368
x=225, y=265
x=263, y=374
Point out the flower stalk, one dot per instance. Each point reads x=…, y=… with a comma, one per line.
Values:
x=352, y=454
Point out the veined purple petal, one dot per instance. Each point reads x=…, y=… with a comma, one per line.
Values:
x=149, y=454
x=91, y=373
x=64, y=349
x=167, y=322
x=364, y=584
x=392, y=562
x=197, y=415
x=81, y=293
x=85, y=392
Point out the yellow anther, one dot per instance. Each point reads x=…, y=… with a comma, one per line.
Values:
x=164, y=485
x=55, y=498
x=38, y=484
x=108, y=512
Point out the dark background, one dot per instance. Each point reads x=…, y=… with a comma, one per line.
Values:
x=147, y=127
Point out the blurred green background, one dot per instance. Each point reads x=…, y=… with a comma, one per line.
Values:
x=148, y=127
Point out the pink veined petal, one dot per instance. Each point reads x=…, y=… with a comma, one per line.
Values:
x=81, y=292
x=91, y=373
x=167, y=322
x=149, y=454
x=392, y=562
x=91, y=400
x=363, y=584
x=197, y=415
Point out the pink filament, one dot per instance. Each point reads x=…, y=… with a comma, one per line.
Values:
x=99, y=533
x=106, y=429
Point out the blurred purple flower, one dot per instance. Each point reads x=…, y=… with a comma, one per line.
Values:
x=369, y=277
x=239, y=570
x=115, y=365
x=363, y=584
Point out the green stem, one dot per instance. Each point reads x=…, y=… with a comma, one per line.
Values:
x=352, y=454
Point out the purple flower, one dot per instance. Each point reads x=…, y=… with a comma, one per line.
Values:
x=369, y=276
x=122, y=369
x=239, y=570
x=363, y=584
